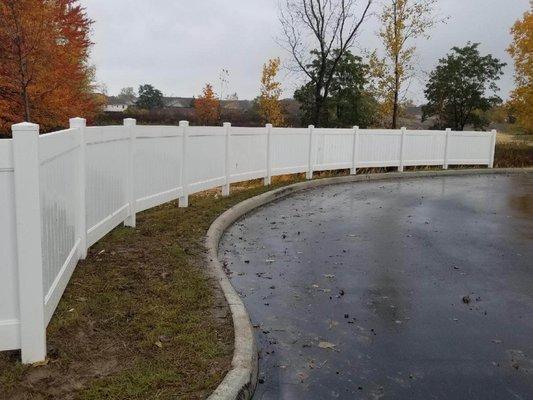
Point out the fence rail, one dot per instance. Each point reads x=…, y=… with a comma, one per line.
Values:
x=62, y=192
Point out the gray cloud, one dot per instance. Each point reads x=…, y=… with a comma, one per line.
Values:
x=180, y=45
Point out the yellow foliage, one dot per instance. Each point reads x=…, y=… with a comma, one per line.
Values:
x=270, y=108
x=521, y=50
x=382, y=89
x=402, y=21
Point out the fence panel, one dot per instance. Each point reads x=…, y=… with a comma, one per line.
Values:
x=378, y=148
x=248, y=154
x=424, y=148
x=58, y=179
x=469, y=148
x=157, y=165
x=9, y=305
x=332, y=149
x=289, y=150
x=205, y=158
x=107, y=163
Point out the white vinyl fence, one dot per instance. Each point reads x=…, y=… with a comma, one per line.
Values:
x=61, y=192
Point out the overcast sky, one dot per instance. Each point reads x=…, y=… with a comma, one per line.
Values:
x=179, y=45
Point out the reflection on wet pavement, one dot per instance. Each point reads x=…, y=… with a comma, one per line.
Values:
x=412, y=289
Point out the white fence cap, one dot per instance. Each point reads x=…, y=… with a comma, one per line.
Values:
x=25, y=126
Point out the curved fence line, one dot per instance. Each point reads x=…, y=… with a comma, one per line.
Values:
x=62, y=192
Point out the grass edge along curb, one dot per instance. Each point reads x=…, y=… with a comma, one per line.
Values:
x=240, y=382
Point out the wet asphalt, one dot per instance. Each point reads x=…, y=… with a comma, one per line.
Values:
x=408, y=289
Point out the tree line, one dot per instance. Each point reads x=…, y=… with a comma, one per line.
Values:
x=344, y=89
x=45, y=75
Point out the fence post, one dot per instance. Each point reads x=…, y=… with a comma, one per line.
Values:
x=445, y=164
x=492, y=149
x=353, y=170
x=29, y=250
x=184, y=199
x=80, y=124
x=309, y=174
x=268, y=178
x=226, y=187
x=130, y=123
x=402, y=140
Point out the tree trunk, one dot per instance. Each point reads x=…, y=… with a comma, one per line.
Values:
x=317, y=109
x=395, y=106
x=26, y=101
x=396, y=71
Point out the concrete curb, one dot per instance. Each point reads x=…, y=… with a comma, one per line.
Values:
x=240, y=382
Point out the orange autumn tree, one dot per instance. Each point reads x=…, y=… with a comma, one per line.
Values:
x=44, y=73
x=207, y=107
x=521, y=50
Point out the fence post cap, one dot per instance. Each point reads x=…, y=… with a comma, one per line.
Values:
x=130, y=121
x=356, y=127
x=448, y=129
x=404, y=128
x=268, y=125
x=25, y=127
x=226, y=124
x=311, y=126
x=77, y=122
x=184, y=123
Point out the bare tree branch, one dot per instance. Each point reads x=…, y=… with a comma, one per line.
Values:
x=323, y=26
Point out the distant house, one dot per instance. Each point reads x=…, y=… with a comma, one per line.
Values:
x=116, y=104
x=178, y=102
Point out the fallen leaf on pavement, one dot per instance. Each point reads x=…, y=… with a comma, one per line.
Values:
x=326, y=345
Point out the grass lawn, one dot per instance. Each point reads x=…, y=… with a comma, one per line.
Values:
x=504, y=137
x=141, y=318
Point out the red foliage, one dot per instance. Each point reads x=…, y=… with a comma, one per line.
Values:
x=44, y=73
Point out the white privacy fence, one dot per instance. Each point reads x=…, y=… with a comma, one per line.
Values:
x=61, y=192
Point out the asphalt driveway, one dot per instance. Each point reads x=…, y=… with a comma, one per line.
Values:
x=407, y=289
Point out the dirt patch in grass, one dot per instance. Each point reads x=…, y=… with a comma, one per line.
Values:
x=140, y=317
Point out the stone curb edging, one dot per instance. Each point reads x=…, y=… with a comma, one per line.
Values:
x=240, y=382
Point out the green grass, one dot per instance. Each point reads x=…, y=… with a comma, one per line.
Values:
x=140, y=317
